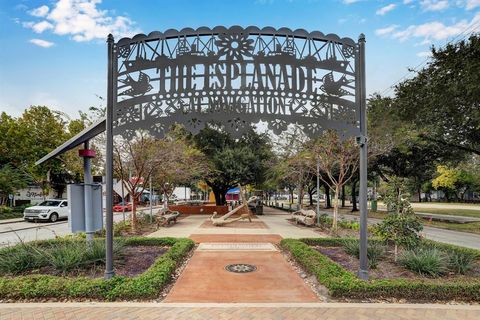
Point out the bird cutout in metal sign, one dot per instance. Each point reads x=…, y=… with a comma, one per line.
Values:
x=334, y=88
x=137, y=87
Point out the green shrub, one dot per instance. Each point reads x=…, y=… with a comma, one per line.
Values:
x=344, y=284
x=428, y=262
x=21, y=208
x=5, y=210
x=375, y=251
x=460, y=262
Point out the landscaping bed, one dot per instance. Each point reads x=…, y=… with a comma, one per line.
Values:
x=328, y=261
x=143, y=269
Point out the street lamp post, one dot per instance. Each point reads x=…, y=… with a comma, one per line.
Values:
x=361, y=100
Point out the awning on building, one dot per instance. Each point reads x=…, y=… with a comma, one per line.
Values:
x=85, y=135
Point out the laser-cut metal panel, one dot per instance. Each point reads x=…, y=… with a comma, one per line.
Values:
x=235, y=77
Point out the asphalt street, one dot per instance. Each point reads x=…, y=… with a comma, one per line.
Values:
x=11, y=233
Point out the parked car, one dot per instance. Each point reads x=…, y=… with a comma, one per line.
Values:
x=122, y=206
x=52, y=210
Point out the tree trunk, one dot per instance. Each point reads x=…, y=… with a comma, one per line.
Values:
x=300, y=195
x=419, y=190
x=134, y=213
x=310, y=197
x=343, y=196
x=335, y=208
x=328, y=203
x=217, y=194
x=354, y=196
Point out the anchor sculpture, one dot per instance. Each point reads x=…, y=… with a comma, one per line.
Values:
x=223, y=220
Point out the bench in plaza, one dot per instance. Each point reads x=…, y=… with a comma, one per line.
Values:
x=165, y=216
x=305, y=217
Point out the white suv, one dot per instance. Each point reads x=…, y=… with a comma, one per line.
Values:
x=47, y=210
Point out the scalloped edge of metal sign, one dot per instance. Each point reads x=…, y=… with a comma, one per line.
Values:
x=270, y=31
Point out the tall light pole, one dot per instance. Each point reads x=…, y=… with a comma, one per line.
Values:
x=111, y=99
x=362, y=142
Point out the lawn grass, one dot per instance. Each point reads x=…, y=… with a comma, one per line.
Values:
x=473, y=227
x=452, y=212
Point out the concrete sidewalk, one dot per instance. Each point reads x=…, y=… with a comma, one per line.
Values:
x=252, y=311
x=276, y=225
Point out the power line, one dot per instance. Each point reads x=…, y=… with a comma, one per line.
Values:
x=466, y=32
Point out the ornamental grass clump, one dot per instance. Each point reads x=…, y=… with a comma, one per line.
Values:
x=461, y=262
x=62, y=255
x=427, y=262
x=66, y=256
x=375, y=251
x=18, y=259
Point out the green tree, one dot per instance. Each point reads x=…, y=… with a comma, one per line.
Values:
x=443, y=99
x=10, y=181
x=401, y=226
x=338, y=159
x=401, y=150
x=454, y=181
x=232, y=162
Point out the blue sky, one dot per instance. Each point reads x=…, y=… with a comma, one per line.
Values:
x=54, y=52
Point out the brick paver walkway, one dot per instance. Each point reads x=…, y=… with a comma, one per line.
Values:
x=206, y=280
x=165, y=311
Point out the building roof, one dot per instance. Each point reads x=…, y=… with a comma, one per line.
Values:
x=83, y=136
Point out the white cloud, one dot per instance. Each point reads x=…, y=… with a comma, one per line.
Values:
x=407, y=1
x=382, y=11
x=471, y=4
x=41, y=43
x=40, y=11
x=434, y=5
x=41, y=26
x=83, y=21
x=435, y=30
x=424, y=54
x=386, y=30
x=350, y=1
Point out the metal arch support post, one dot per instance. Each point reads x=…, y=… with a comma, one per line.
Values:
x=318, y=191
x=109, y=273
x=87, y=172
x=363, y=272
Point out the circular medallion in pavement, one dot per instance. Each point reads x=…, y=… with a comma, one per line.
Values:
x=240, y=268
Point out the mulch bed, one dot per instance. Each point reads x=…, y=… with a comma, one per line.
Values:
x=138, y=259
x=386, y=268
x=134, y=261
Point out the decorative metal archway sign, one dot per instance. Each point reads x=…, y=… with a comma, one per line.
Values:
x=234, y=78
